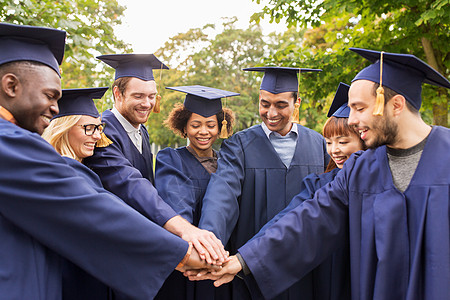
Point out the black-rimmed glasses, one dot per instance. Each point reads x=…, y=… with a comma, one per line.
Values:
x=89, y=129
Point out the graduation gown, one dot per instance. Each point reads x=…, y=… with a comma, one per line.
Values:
x=252, y=185
x=127, y=173
x=47, y=210
x=76, y=283
x=399, y=242
x=331, y=279
x=181, y=181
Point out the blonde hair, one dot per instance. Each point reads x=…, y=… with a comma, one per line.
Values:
x=57, y=134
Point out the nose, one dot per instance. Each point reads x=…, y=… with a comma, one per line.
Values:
x=352, y=121
x=272, y=112
x=335, y=148
x=203, y=130
x=149, y=102
x=96, y=135
x=54, y=109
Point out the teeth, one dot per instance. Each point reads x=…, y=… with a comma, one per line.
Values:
x=203, y=140
x=272, y=121
x=47, y=119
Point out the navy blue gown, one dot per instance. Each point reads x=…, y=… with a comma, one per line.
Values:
x=399, y=242
x=181, y=181
x=252, y=185
x=127, y=173
x=76, y=283
x=49, y=211
x=331, y=279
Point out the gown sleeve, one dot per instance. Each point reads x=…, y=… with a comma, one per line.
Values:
x=173, y=184
x=220, y=209
x=309, y=186
x=120, y=177
x=45, y=198
x=311, y=231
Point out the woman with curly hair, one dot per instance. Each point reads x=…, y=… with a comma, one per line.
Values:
x=182, y=174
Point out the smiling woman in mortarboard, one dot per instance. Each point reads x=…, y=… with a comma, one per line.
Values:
x=74, y=133
x=77, y=129
x=182, y=174
x=392, y=199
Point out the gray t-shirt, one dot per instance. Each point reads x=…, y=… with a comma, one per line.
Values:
x=403, y=164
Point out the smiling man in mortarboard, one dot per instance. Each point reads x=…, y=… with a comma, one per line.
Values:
x=126, y=166
x=49, y=211
x=393, y=199
x=260, y=169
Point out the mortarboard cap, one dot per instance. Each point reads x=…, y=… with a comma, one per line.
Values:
x=403, y=73
x=31, y=43
x=80, y=102
x=339, y=107
x=278, y=80
x=133, y=65
x=203, y=100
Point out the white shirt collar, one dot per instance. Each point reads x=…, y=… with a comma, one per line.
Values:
x=124, y=122
x=267, y=131
x=133, y=133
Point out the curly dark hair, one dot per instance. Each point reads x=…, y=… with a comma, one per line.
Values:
x=179, y=116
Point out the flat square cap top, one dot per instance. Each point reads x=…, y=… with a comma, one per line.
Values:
x=403, y=73
x=31, y=43
x=133, y=65
x=203, y=100
x=278, y=80
x=80, y=102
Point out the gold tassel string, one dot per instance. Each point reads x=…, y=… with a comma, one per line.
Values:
x=104, y=141
x=379, y=104
x=157, y=107
x=296, y=112
x=224, y=130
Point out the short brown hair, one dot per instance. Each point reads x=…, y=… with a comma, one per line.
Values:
x=121, y=84
x=179, y=116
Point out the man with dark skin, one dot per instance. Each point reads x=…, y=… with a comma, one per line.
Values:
x=46, y=209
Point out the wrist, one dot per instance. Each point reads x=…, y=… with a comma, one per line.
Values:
x=244, y=267
x=186, y=257
x=175, y=225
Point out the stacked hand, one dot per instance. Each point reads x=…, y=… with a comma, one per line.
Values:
x=221, y=275
x=196, y=263
x=208, y=246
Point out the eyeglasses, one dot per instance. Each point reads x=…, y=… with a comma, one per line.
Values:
x=89, y=129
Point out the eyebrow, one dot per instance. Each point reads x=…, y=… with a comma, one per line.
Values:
x=278, y=102
x=356, y=102
x=56, y=93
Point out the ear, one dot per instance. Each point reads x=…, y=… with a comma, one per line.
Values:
x=299, y=101
x=117, y=94
x=398, y=104
x=10, y=85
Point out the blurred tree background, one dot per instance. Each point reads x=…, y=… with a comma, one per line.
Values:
x=318, y=35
